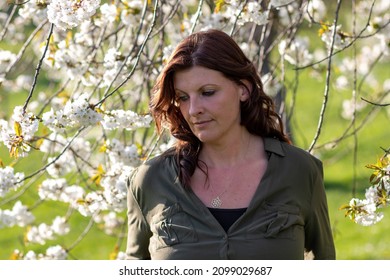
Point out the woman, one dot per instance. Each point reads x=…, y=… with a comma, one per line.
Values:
x=232, y=187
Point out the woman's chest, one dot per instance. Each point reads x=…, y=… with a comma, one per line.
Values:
x=228, y=188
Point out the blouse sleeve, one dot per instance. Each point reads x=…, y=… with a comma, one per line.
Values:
x=318, y=233
x=138, y=229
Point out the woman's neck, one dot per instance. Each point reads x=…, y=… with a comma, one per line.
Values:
x=231, y=153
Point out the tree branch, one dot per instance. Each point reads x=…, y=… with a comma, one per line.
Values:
x=328, y=71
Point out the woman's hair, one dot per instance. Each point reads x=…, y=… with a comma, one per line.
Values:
x=215, y=50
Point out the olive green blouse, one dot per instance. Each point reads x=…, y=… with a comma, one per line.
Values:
x=287, y=215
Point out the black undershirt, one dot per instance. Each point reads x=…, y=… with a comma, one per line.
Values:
x=227, y=217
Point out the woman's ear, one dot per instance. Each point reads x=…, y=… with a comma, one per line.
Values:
x=246, y=89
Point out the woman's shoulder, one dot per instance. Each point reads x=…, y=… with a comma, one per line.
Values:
x=292, y=152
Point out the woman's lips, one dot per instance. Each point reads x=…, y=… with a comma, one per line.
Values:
x=201, y=123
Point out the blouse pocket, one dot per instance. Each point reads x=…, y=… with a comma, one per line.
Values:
x=276, y=221
x=172, y=226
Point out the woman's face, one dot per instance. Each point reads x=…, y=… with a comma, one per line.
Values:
x=210, y=103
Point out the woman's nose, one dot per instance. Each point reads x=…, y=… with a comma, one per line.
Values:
x=196, y=107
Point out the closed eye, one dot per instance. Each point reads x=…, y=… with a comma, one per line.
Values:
x=182, y=97
x=208, y=92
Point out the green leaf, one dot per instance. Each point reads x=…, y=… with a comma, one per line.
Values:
x=18, y=129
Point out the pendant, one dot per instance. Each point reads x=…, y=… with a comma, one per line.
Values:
x=216, y=202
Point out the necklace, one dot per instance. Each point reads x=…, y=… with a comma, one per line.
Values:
x=216, y=202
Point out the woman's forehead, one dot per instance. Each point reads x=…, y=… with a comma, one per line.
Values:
x=197, y=75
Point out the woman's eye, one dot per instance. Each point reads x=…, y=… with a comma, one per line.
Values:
x=182, y=98
x=208, y=92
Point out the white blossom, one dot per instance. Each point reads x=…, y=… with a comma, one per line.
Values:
x=350, y=107
x=254, y=13
x=113, y=63
x=271, y=85
x=60, y=226
x=23, y=82
x=52, y=188
x=35, y=10
x=111, y=222
x=70, y=58
x=129, y=13
x=128, y=120
x=30, y=255
x=214, y=20
x=55, y=253
x=369, y=219
x=278, y=3
x=342, y=82
x=55, y=120
x=59, y=190
x=289, y=14
x=296, y=52
x=119, y=153
x=54, y=143
x=315, y=10
x=9, y=180
x=19, y=215
x=6, y=219
x=121, y=256
x=80, y=112
x=28, y=122
x=43, y=232
x=340, y=40
x=22, y=215
x=62, y=165
x=91, y=204
x=85, y=35
x=109, y=12
x=52, y=253
x=115, y=186
x=6, y=58
x=113, y=58
x=72, y=195
x=167, y=145
x=40, y=234
x=76, y=112
x=24, y=126
x=67, y=14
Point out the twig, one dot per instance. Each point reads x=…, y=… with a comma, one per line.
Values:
x=20, y=192
x=375, y=104
x=55, y=159
x=11, y=15
x=49, y=99
x=38, y=69
x=387, y=151
x=237, y=17
x=359, y=127
x=359, y=36
x=328, y=72
x=198, y=13
x=354, y=97
x=165, y=21
x=107, y=95
x=83, y=234
x=25, y=45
